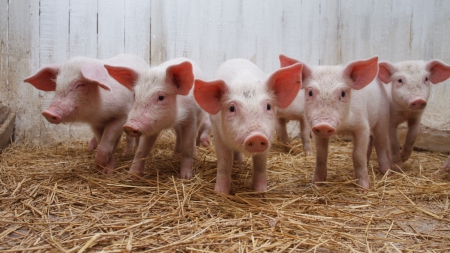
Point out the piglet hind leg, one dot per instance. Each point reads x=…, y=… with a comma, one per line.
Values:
x=282, y=131
x=446, y=167
x=188, y=148
x=145, y=146
x=259, y=172
x=381, y=142
x=360, y=144
x=320, y=173
x=92, y=144
x=130, y=144
x=396, y=161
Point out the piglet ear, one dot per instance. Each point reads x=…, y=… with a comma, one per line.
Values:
x=95, y=73
x=439, y=72
x=45, y=78
x=285, y=83
x=125, y=76
x=181, y=76
x=287, y=61
x=385, y=71
x=209, y=95
x=362, y=72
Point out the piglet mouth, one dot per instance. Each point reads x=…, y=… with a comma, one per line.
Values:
x=132, y=130
x=52, y=117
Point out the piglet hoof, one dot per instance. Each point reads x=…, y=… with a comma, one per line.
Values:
x=319, y=179
x=186, y=174
x=405, y=155
x=206, y=142
x=221, y=189
x=92, y=144
x=136, y=172
x=365, y=184
x=308, y=152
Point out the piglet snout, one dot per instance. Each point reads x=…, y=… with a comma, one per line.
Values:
x=51, y=117
x=256, y=143
x=132, y=131
x=323, y=130
x=417, y=104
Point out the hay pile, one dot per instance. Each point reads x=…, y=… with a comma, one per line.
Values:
x=53, y=200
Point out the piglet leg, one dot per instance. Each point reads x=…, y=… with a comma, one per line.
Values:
x=320, y=173
x=411, y=135
x=224, y=165
x=305, y=135
x=145, y=145
x=360, y=144
x=260, y=172
x=108, y=142
x=187, y=143
x=282, y=131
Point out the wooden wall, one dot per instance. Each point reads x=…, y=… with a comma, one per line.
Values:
x=34, y=33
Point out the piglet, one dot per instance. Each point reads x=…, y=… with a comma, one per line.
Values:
x=410, y=84
x=347, y=99
x=295, y=111
x=84, y=92
x=242, y=103
x=164, y=100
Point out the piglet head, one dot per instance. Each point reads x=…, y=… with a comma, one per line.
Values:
x=155, y=106
x=74, y=89
x=328, y=92
x=410, y=81
x=248, y=111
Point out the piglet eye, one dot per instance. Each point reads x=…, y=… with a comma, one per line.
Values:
x=343, y=94
x=426, y=79
x=400, y=80
x=80, y=85
x=232, y=108
x=268, y=107
x=310, y=93
x=160, y=98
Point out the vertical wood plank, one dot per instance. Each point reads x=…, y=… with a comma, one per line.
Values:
x=54, y=48
x=232, y=33
x=158, y=39
x=137, y=28
x=310, y=32
x=4, y=84
x=329, y=29
x=381, y=27
x=83, y=28
x=292, y=41
x=23, y=39
x=111, y=28
x=401, y=30
x=272, y=35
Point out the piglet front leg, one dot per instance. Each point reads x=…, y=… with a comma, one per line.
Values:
x=320, y=173
x=187, y=142
x=360, y=144
x=260, y=172
x=92, y=144
x=108, y=142
x=224, y=165
x=411, y=135
x=144, y=148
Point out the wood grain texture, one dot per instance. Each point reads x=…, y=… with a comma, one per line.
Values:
x=35, y=33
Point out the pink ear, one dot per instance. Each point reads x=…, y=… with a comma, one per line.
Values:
x=45, y=78
x=209, y=95
x=287, y=61
x=385, y=71
x=439, y=72
x=362, y=72
x=285, y=83
x=95, y=73
x=125, y=76
x=181, y=76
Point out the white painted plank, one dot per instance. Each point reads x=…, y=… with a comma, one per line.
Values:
x=292, y=41
x=137, y=28
x=422, y=41
x=381, y=26
x=23, y=39
x=4, y=85
x=83, y=28
x=400, y=31
x=157, y=43
x=232, y=32
x=211, y=48
x=329, y=33
x=354, y=29
x=272, y=35
x=250, y=39
x=310, y=32
x=111, y=28
x=54, y=48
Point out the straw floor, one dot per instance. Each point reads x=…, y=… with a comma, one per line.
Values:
x=52, y=199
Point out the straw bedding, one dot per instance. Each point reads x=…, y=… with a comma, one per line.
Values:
x=52, y=199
